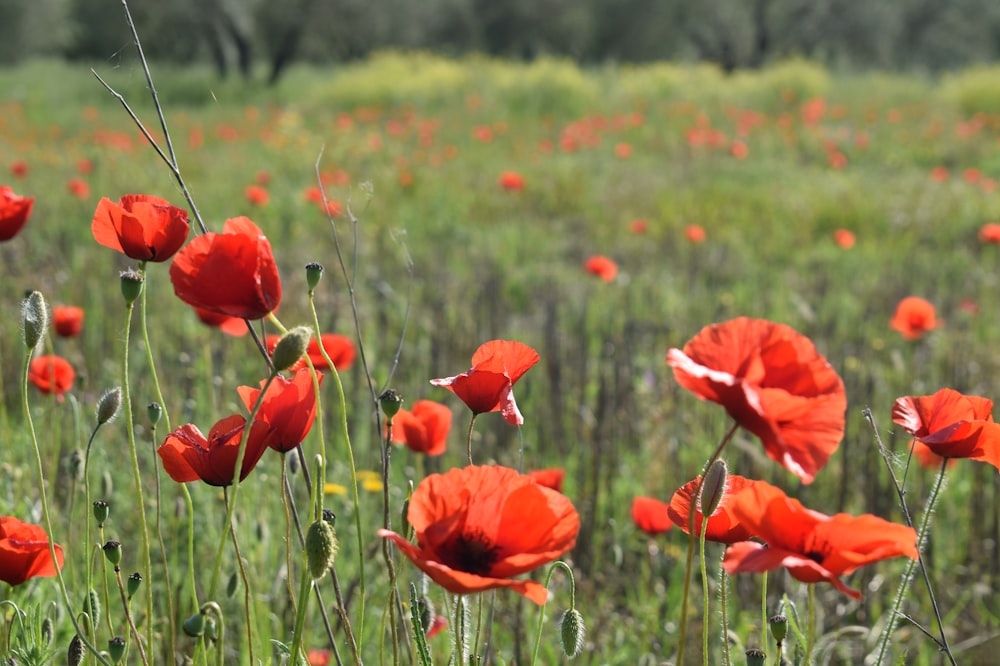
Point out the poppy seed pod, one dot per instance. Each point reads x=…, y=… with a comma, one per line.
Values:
x=113, y=551
x=779, y=627
x=194, y=626
x=154, y=412
x=713, y=488
x=573, y=632
x=131, y=282
x=291, y=347
x=101, y=511
x=108, y=405
x=321, y=548
x=35, y=318
x=132, y=583
x=116, y=649
x=390, y=401
x=314, y=272
x=756, y=657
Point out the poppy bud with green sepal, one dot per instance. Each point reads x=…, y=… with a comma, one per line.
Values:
x=74, y=654
x=321, y=548
x=713, y=488
x=108, y=405
x=35, y=318
x=291, y=347
x=573, y=632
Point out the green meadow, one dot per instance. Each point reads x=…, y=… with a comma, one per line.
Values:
x=428, y=256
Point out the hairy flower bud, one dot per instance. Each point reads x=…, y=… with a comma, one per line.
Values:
x=35, y=318
x=291, y=347
x=573, y=632
x=321, y=548
x=75, y=653
x=108, y=405
x=713, y=488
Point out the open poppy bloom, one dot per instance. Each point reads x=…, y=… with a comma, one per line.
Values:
x=489, y=385
x=774, y=383
x=512, y=181
x=24, y=552
x=423, y=429
x=990, y=232
x=812, y=546
x=914, y=317
x=602, y=267
x=140, y=226
x=695, y=233
x=232, y=273
x=233, y=326
x=289, y=408
x=723, y=527
x=338, y=347
x=14, y=212
x=67, y=320
x=257, y=195
x=188, y=455
x=550, y=477
x=951, y=425
x=51, y=374
x=478, y=526
x=651, y=515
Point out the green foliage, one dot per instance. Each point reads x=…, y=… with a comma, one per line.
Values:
x=974, y=90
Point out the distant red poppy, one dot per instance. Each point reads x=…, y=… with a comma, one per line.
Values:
x=233, y=326
x=837, y=160
x=695, y=233
x=602, y=267
x=232, y=273
x=512, y=181
x=723, y=527
x=423, y=429
x=257, y=195
x=19, y=169
x=24, y=552
x=51, y=374
x=333, y=207
x=14, y=212
x=318, y=657
x=478, y=526
x=774, y=383
x=550, y=477
x=141, y=226
x=188, y=455
x=939, y=174
x=844, y=238
x=972, y=175
x=914, y=317
x=78, y=188
x=623, y=150
x=313, y=194
x=812, y=546
x=990, y=233
x=67, y=320
x=489, y=385
x=289, y=408
x=951, y=425
x=651, y=515
x=738, y=149
x=262, y=177
x=84, y=166
x=638, y=226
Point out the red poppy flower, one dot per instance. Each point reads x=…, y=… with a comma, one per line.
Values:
x=229, y=325
x=318, y=657
x=338, y=347
x=939, y=174
x=438, y=625
x=651, y=515
x=602, y=267
x=512, y=181
x=289, y=407
x=257, y=195
x=914, y=317
x=141, y=226
x=695, y=233
x=84, y=166
x=19, y=169
x=78, y=188
x=478, y=526
x=24, y=552
x=232, y=273
x=723, y=527
x=551, y=477
x=813, y=547
x=951, y=425
x=638, y=226
x=774, y=383
x=51, y=374
x=14, y=212
x=188, y=455
x=738, y=149
x=67, y=320
x=423, y=429
x=990, y=233
x=489, y=385
x=844, y=238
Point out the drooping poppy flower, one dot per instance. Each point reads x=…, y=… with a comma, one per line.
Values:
x=140, y=226
x=602, y=267
x=990, y=233
x=489, y=385
x=67, y=320
x=512, y=181
x=338, y=347
x=550, y=477
x=229, y=325
x=651, y=515
x=951, y=425
x=51, y=374
x=914, y=317
x=257, y=195
x=695, y=233
x=14, y=212
x=289, y=408
x=844, y=238
x=423, y=429
x=24, y=552
x=812, y=546
x=774, y=383
x=723, y=527
x=188, y=455
x=232, y=273
x=478, y=526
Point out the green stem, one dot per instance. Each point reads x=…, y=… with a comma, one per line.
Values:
x=811, y=626
x=128, y=616
x=386, y=547
x=300, y=614
x=704, y=591
x=723, y=598
x=472, y=422
x=763, y=610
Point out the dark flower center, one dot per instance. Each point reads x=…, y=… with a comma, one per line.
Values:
x=472, y=552
x=815, y=556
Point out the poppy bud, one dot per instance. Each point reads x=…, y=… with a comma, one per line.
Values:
x=74, y=654
x=101, y=512
x=779, y=627
x=132, y=584
x=92, y=606
x=108, y=405
x=756, y=657
x=425, y=611
x=116, y=649
x=573, y=632
x=35, y=318
x=390, y=401
x=293, y=464
x=113, y=551
x=48, y=630
x=291, y=347
x=153, y=413
x=194, y=626
x=131, y=281
x=713, y=488
x=314, y=272
x=321, y=548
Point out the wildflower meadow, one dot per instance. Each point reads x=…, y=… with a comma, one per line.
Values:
x=461, y=361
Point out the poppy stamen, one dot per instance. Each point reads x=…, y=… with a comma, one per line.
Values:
x=473, y=552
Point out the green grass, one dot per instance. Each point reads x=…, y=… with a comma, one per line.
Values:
x=473, y=262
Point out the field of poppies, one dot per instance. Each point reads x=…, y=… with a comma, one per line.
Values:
x=512, y=331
